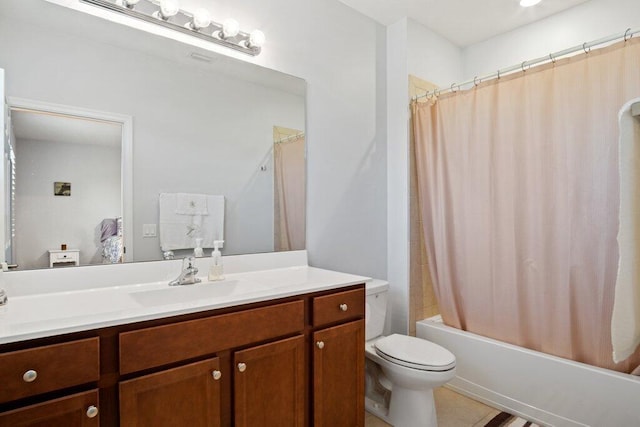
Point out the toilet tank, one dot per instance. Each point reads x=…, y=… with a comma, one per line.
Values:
x=375, y=308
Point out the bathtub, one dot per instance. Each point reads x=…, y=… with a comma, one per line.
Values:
x=548, y=390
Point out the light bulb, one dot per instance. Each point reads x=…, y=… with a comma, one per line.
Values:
x=256, y=39
x=201, y=19
x=528, y=3
x=230, y=28
x=169, y=8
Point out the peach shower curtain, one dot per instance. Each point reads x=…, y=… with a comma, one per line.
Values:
x=290, y=194
x=518, y=191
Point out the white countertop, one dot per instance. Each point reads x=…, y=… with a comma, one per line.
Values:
x=47, y=314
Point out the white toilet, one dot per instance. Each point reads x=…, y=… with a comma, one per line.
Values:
x=404, y=367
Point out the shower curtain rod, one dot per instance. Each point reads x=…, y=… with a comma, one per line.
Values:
x=290, y=137
x=525, y=65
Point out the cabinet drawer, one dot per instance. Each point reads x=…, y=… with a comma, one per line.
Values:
x=161, y=345
x=38, y=370
x=338, y=307
x=70, y=256
x=76, y=410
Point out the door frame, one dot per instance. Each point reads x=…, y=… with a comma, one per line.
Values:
x=126, y=160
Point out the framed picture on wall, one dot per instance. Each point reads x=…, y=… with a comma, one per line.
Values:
x=61, y=188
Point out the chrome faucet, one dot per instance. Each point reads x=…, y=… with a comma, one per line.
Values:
x=188, y=274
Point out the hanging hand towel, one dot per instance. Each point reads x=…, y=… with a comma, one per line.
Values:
x=191, y=204
x=179, y=231
x=625, y=320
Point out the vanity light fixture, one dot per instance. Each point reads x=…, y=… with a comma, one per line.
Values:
x=230, y=28
x=529, y=3
x=168, y=8
x=167, y=13
x=201, y=19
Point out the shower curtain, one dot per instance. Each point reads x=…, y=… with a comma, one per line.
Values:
x=518, y=192
x=290, y=194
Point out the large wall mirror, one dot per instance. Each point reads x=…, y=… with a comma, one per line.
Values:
x=106, y=123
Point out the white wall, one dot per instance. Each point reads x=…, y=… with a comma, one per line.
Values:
x=94, y=174
x=194, y=131
x=432, y=57
x=398, y=175
x=412, y=49
x=340, y=53
x=586, y=22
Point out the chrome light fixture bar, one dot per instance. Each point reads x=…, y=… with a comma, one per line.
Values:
x=166, y=13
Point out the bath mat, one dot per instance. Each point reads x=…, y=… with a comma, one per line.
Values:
x=505, y=419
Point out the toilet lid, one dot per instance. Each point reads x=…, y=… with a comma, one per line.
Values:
x=415, y=353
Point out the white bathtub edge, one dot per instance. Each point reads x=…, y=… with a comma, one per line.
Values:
x=545, y=389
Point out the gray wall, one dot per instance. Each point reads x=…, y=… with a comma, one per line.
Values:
x=94, y=174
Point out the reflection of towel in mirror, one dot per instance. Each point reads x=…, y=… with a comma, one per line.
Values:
x=191, y=204
x=179, y=231
x=111, y=240
x=108, y=228
x=112, y=250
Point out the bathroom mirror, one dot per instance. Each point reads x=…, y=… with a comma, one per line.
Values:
x=200, y=123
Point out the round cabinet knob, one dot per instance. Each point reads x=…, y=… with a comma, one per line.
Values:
x=92, y=411
x=242, y=367
x=344, y=307
x=320, y=344
x=30, y=376
x=216, y=375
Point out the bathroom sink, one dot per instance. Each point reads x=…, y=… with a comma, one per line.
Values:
x=199, y=292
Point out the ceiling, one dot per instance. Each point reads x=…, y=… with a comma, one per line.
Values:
x=463, y=22
x=48, y=127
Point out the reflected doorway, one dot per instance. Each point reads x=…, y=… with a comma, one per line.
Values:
x=66, y=187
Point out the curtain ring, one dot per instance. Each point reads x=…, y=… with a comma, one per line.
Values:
x=522, y=66
x=498, y=74
x=627, y=33
x=552, y=58
x=584, y=47
x=451, y=88
x=475, y=82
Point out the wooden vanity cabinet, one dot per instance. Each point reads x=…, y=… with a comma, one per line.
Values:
x=254, y=365
x=338, y=360
x=79, y=410
x=51, y=369
x=269, y=384
x=184, y=396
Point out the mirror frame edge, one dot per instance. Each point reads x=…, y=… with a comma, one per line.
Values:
x=126, y=156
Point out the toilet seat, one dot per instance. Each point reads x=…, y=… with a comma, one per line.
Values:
x=415, y=353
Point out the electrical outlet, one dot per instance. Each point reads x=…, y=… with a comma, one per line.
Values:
x=149, y=230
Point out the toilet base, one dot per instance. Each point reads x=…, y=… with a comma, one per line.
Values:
x=412, y=408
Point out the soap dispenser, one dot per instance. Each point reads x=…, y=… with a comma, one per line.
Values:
x=215, y=271
x=197, y=251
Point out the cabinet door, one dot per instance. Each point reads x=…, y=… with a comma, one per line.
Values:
x=184, y=396
x=269, y=384
x=338, y=376
x=78, y=410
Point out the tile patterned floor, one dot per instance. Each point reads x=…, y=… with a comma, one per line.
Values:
x=453, y=410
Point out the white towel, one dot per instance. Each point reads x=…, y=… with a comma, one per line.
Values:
x=179, y=231
x=191, y=204
x=625, y=320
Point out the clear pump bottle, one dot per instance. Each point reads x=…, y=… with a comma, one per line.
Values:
x=216, y=270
